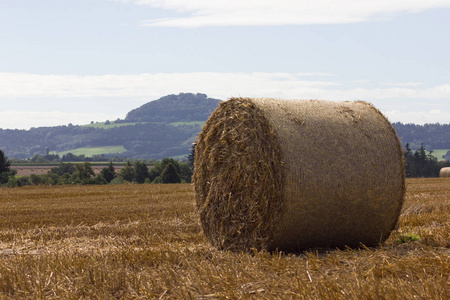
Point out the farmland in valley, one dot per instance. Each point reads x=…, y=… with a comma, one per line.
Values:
x=90, y=151
x=145, y=241
x=439, y=153
x=25, y=170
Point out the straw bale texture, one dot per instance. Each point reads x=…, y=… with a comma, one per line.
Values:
x=295, y=174
x=444, y=172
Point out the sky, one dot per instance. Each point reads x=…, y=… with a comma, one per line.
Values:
x=77, y=61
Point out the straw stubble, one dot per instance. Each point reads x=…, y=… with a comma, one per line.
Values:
x=295, y=174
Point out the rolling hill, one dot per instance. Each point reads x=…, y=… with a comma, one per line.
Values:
x=175, y=108
x=165, y=127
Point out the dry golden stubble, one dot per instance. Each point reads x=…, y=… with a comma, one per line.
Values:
x=145, y=242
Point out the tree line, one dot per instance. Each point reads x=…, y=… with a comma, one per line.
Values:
x=141, y=140
x=69, y=157
x=419, y=163
x=167, y=170
x=431, y=136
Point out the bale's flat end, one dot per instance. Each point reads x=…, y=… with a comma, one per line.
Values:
x=238, y=180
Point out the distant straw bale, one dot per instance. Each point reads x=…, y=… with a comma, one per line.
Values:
x=295, y=174
x=445, y=172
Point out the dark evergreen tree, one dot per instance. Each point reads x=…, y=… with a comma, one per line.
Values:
x=191, y=156
x=421, y=164
x=185, y=172
x=4, y=163
x=431, y=168
x=4, y=168
x=128, y=173
x=109, y=173
x=420, y=161
x=409, y=162
x=166, y=161
x=141, y=171
x=170, y=175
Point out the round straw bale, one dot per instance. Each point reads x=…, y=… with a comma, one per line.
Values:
x=444, y=172
x=296, y=174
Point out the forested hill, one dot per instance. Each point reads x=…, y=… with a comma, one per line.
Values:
x=165, y=127
x=433, y=136
x=175, y=108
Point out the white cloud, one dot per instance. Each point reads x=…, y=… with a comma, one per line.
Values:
x=223, y=85
x=280, y=12
x=111, y=96
x=402, y=84
x=220, y=85
x=419, y=117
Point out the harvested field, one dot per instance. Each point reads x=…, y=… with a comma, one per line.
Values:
x=145, y=242
x=28, y=170
x=39, y=170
